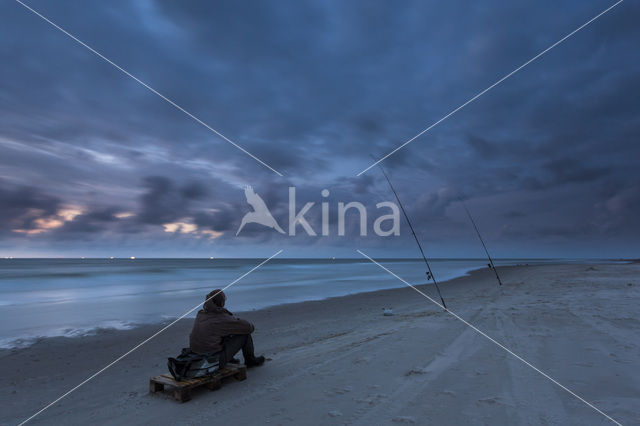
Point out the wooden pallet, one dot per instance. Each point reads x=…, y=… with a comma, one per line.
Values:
x=182, y=390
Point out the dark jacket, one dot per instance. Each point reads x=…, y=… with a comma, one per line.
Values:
x=211, y=325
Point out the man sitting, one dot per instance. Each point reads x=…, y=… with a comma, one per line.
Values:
x=216, y=330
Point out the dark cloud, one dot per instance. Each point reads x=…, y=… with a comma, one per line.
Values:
x=313, y=89
x=568, y=170
x=88, y=225
x=164, y=200
x=483, y=147
x=515, y=214
x=22, y=206
x=362, y=185
x=221, y=220
x=194, y=191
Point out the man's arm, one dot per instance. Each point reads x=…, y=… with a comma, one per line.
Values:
x=234, y=325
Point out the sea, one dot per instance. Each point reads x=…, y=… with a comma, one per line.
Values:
x=42, y=298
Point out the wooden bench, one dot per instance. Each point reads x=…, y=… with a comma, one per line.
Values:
x=182, y=389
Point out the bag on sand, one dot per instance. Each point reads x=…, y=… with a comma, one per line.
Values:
x=189, y=365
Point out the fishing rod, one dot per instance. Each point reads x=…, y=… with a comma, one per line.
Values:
x=473, y=222
x=429, y=273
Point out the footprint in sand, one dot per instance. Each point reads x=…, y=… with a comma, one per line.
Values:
x=343, y=390
x=372, y=399
x=490, y=400
x=417, y=371
x=403, y=419
x=338, y=391
x=363, y=360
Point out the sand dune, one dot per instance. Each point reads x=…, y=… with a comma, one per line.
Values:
x=340, y=361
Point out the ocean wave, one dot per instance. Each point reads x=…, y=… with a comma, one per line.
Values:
x=26, y=341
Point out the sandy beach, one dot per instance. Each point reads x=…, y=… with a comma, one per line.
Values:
x=340, y=361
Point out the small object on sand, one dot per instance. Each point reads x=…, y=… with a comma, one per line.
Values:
x=182, y=389
x=630, y=284
x=387, y=312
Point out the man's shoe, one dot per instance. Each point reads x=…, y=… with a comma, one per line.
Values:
x=255, y=362
x=234, y=361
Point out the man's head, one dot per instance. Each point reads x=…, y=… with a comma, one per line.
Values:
x=215, y=298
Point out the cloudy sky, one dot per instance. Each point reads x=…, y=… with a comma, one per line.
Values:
x=92, y=163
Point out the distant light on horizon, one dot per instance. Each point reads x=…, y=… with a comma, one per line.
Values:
x=132, y=258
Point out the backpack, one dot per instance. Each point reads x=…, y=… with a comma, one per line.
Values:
x=189, y=365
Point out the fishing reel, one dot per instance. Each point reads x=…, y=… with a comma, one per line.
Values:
x=429, y=276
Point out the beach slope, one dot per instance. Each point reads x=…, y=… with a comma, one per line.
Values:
x=340, y=361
